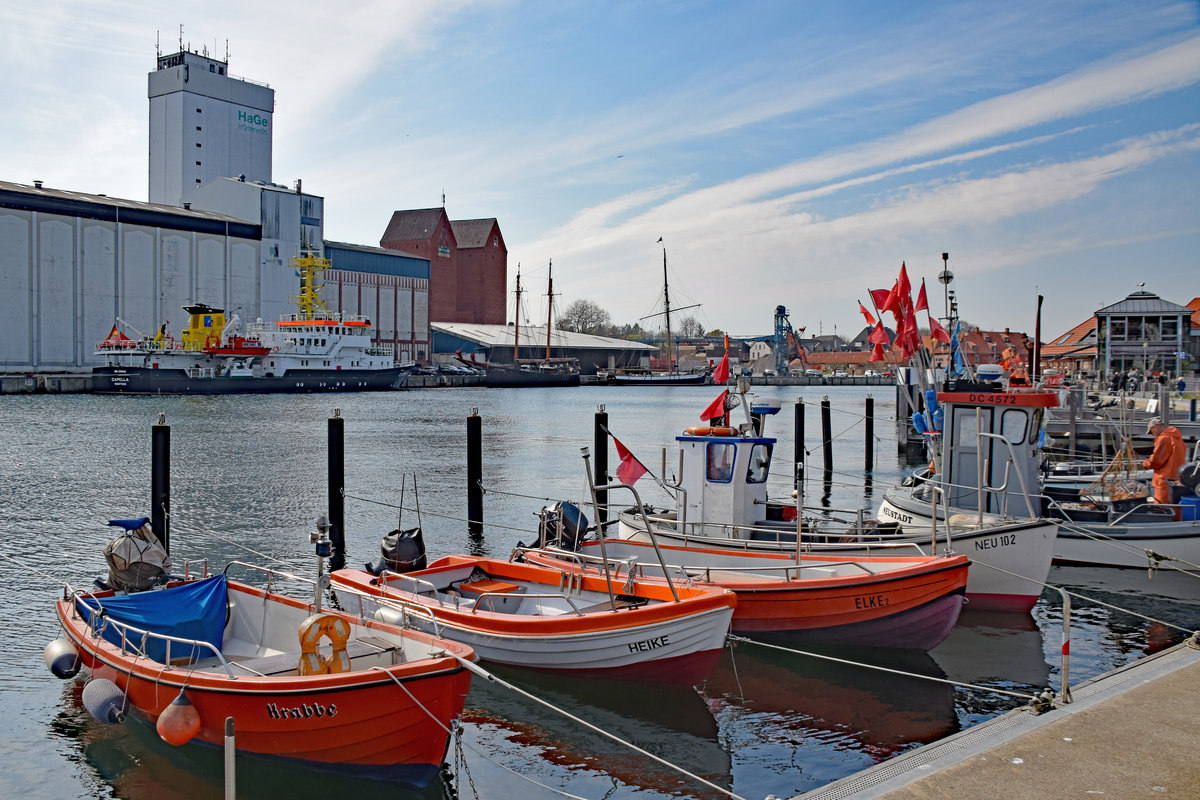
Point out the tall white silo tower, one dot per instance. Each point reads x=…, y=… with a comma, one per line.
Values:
x=205, y=124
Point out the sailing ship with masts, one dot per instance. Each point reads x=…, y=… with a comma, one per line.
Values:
x=547, y=371
x=633, y=376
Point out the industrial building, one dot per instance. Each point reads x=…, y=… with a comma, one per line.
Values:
x=217, y=231
x=500, y=343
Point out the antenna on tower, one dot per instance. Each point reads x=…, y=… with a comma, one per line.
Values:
x=157, y=44
x=181, y=37
x=226, y=51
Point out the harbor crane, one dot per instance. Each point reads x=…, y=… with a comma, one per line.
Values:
x=786, y=346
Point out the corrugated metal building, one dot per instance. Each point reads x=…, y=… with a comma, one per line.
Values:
x=389, y=288
x=496, y=342
x=70, y=263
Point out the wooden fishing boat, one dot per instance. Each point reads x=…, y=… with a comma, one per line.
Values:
x=300, y=682
x=550, y=617
x=883, y=601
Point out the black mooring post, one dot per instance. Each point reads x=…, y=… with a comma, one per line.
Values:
x=798, y=456
x=475, y=474
x=337, y=486
x=869, y=454
x=160, y=481
x=826, y=434
x=600, y=468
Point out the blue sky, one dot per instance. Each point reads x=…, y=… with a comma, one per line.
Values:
x=788, y=153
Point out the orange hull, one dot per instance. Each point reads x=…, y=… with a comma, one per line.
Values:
x=358, y=721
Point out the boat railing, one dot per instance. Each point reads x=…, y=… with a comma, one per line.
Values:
x=201, y=372
x=271, y=574
x=135, y=639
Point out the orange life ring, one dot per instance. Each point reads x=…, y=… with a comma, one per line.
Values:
x=705, y=430
x=312, y=630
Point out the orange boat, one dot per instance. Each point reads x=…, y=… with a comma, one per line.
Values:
x=878, y=601
x=300, y=682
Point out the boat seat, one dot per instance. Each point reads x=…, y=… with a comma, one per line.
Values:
x=284, y=663
x=621, y=601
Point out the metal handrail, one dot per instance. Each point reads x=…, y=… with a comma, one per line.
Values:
x=100, y=622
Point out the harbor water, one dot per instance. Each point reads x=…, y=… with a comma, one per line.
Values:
x=248, y=479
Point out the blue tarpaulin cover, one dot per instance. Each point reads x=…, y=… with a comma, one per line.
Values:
x=192, y=611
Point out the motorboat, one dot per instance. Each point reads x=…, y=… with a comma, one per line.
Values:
x=549, y=617
x=722, y=504
x=909, y=602
x=299, y=681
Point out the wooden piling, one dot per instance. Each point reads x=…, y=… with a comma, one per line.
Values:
x=337, y=485
x=826, y=434
x=475, y=474
x=600, y=468
x=160, y=481
x=798, y=456
x=869, y=447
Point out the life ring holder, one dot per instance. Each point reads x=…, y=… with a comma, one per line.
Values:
x=711, y=430
x=312, y=631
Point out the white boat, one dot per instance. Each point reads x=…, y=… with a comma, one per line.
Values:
x=311, y=350
x=535, y=616
x=990, y=467
x=723, y=503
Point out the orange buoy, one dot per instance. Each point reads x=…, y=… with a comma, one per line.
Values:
x=178, y=722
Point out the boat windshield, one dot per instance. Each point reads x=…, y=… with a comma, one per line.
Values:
x=719, y=457
x=760, y=463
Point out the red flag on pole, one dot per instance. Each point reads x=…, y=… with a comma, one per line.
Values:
x=878, y=334
x=877, y=353
x=879, y=297
x=866, y=314
x=721, y=373
x=716, y=408
x=902, y=281
x=922, y=300
x=937, y=331
x=630, y=469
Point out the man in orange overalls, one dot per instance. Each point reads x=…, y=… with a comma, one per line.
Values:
x=1168, y=456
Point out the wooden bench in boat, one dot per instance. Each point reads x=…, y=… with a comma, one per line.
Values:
x=283, y=663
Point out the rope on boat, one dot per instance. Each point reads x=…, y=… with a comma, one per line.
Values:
x=1019, y=695
x=474, y=749
x=1156, y=559
x=483, y=673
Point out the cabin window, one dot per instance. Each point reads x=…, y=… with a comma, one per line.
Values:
x=1012, y=425
x=760, y=464
x=968, y=430
x=719, y=457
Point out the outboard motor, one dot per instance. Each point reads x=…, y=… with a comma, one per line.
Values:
x=136, y=559
x=562, y=525
x=402, y=551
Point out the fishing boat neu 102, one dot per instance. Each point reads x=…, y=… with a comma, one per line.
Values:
x=312, y=350
x=550, y=617
x=300, y=681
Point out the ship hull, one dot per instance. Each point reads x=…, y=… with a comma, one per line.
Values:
x=140, y=380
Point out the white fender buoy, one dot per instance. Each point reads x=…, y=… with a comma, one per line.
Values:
x=104, y=700
x=62, y=659
x=389, y=615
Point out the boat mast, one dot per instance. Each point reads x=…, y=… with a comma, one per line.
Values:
x=549, y=307
x=517, y=319
x=667, y=305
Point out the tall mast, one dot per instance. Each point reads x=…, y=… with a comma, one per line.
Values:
x=549, y=306
x=517, y=318
x=667, y=304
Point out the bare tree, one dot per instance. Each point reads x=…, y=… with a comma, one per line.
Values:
x=690, y=328
x=584, y=316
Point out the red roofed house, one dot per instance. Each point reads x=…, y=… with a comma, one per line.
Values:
x=468, y=263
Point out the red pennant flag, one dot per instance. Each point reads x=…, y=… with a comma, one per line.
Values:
x=879, y=297
x=902, y=281
x=879, y=335
x=877, y=353
x=922, y=300
x=721, y=373
x=866, y=314
x=893, y=304
x=937, y=331
x=630, y=468
x=716, y=408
